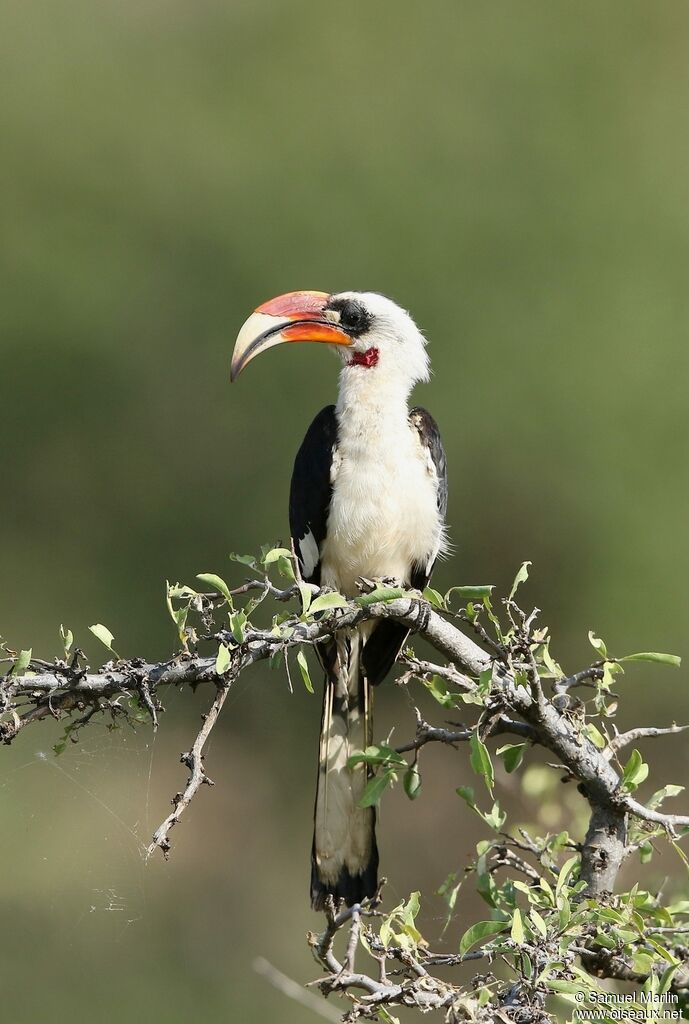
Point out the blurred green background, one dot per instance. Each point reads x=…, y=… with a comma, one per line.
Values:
x=516, y=174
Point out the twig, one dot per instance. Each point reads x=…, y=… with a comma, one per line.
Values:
x=295, y=991
x=194, y=761
x=623, y=739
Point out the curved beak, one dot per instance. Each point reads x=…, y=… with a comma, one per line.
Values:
x=296, y=316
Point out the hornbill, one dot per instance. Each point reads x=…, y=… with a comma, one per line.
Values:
x=368, y=499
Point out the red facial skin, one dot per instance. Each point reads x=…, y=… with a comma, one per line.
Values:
x=368, y=358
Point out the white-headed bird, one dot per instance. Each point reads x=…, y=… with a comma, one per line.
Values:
x=368, y=500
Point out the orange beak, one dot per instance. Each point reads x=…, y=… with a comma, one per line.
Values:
x=296, y=316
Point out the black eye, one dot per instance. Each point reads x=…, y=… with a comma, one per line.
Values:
x=354, y=317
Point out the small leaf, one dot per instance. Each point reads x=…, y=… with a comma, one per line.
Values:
x=376, y=755
x=216, y=581
x=538, y=922
x=382, y=594
x=598, y=644
x=434, y=598
x=243, y=559
x=469, y=593
x=517, y=930
x=222, y=662
x=467, y=794
x=654, y=656
x=480, y=930
x=22, y=663
x=274, y=555
x=495, y=818
x=595, y=735
x=103, y=634
x=237, y=623
x=376, y=787
x=480, y=760
x=521, y=577
x=326, y=601
x=642, y=963
x=565, y=872
x=304, y=669
x=681, y=854
x=512, y=755
x=67, y=638
x=635, y=772
x=286, y=568
x=306, y=595
x=437, y=688
x=412, y=782
x=663, y=794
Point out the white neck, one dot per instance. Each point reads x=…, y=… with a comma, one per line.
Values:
x=372, y=396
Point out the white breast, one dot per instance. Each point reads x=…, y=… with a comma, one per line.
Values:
x=384, y=513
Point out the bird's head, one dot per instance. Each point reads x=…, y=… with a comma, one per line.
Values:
x=371, y=333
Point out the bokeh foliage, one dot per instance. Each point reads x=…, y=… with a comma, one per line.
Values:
x=514, y=173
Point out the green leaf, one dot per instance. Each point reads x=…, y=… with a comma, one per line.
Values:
x=517, y=930
x=598, y=644
x=479, y=931
x=382, y=594
x=22, y=663
x=681, y=854
x=217, y=582
x=521, y=577
x=304, y=669
x=512, y=755
x=386, y=1016
x=376, y=787
x=663, y=794
x=467, y=794
x=469, y=593
x=274, y=555
x=437, y=688
x=495, y=818
x=635, y=772
x=538, y=922
x=480, y=760
x=565, y=872
x=325, y=601
x=654, y=656
x=376, y=755
x=222, y=661
x=412, y=782
x=642, y=963
x=244, y=560
x=595, y=735
x=67, y=638
x=238, y=621
x=553, y=667
x=103, y=634
x=180, y=591
x=306, y=595
x=286, y=568
x=434, y=598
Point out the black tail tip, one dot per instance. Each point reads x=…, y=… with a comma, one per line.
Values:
x=350, y=888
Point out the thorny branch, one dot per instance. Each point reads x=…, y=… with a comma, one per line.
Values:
x=515, y=702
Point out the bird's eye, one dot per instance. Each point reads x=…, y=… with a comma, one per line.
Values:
x=354, y=317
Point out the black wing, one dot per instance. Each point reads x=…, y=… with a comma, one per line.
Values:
x=310, y=492
x=429, y=436
x=388, y=637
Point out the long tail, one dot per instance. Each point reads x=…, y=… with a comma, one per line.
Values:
x=344, y=858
